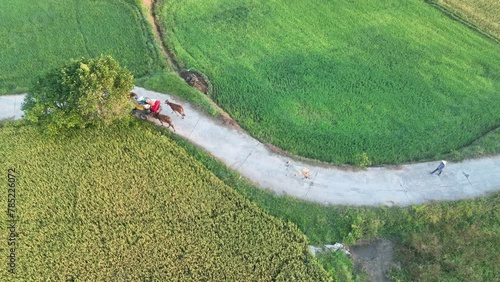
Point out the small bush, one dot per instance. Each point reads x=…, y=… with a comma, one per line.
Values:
x=362, y=160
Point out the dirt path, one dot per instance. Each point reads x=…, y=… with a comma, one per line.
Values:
x=374, y=258
x=192, y=78
x=151, y=17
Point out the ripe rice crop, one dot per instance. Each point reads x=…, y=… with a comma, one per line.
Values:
x=36, y=36
x=128, y=204
x=484, y=14
x=343, y=81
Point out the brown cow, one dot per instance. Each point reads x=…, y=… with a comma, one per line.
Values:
x=164, y=118
x=176, y=108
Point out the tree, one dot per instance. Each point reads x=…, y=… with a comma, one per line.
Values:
x=82, y=93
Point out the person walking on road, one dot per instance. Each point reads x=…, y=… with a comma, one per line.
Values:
x=440, y=168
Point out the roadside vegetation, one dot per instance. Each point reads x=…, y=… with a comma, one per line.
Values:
x=482, y=14
x=342, y=81
x=127, y=203
x=448, y=241
x=487, y=145
x=37, y=36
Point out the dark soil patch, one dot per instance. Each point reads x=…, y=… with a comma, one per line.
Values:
x=375, y=258
x=195, y=80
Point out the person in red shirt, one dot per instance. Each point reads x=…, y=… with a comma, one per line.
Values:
x=155, y=105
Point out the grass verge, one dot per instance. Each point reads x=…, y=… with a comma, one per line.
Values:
x=166, y=81
x=487, y=145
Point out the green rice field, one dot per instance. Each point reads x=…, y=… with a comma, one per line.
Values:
x=342, y=81
x=38, y=35
x=126, y=203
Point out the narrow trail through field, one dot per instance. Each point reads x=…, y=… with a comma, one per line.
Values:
x=193, y=78
x=157, y=33
x=401, y=186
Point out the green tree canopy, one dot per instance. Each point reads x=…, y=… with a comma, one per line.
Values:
x=84, y=92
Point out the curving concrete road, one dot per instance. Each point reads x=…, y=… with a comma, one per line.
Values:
x=406, y=185
x=10, y=106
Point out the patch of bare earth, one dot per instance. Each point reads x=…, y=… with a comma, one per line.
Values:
x=196, y=80
x=374, y=258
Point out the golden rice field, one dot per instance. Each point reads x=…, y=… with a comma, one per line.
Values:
x=484, y=14
x=127, y=203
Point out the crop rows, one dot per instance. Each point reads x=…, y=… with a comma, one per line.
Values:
x=127, y=204
x=395, y=81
